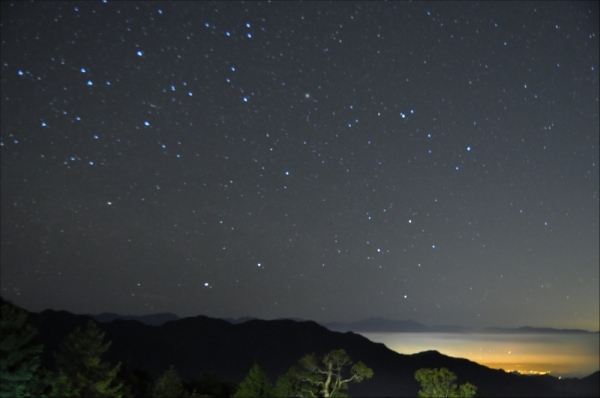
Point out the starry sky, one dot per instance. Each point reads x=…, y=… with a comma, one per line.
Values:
x=432, y=161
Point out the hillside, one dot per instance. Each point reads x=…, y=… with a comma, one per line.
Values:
x=202, y=344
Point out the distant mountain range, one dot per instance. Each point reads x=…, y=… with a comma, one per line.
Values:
x=370, y=325
x=154, y=319
x=382, y=325
x=201, y=344
x=529, y=329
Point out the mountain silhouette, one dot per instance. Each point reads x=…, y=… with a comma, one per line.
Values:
x=383, y=325
x=373, y=325
x=153, y=319
x=201, y=344
x=529, y=329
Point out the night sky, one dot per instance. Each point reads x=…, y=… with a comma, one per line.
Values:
x=328, y=161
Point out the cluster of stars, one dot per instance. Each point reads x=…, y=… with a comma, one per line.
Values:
x=262, y=153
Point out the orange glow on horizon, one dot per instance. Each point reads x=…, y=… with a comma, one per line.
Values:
x=558, y=355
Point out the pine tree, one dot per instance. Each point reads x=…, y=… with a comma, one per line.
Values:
x=62, y=387
x=256, y=384
x=20, y=362
x=169, y=385
x=80, y=360
x=287, y=385
x=441, y=383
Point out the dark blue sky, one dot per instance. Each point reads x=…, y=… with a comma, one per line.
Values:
x=329, y=161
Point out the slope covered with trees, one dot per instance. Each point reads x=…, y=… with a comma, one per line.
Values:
x=209, y=355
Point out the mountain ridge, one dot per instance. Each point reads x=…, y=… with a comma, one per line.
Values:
x=201, y=344
x=373, y=324
x=150, y=319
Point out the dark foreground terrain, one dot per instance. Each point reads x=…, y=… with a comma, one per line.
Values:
x=202, y=344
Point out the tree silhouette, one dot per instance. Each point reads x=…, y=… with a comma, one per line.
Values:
x=440, y=383
x=62, y=387
x=326, y=378
x=256, y=384
x=168, y=385
x=20, y=363
x=80, y=363
x=287, y=385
